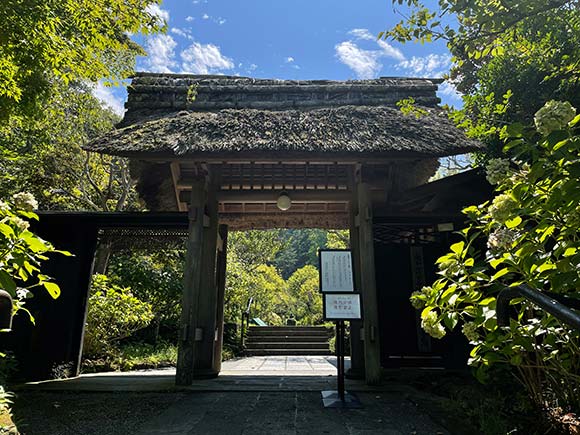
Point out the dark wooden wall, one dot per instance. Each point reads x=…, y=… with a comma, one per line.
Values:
x=52, y=347
x=403, y=342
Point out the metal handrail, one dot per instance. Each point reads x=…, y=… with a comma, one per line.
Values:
x=558, y=305
x=244, y=325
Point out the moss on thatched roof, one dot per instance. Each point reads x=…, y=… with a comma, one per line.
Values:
x=345, y=129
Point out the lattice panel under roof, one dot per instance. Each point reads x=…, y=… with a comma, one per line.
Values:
x=276, y=176
x=406, y=234
x=143, y=238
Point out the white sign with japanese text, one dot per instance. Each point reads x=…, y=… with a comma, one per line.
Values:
x=342, y=306
x=336, y=271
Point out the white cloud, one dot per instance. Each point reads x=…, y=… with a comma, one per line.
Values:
x=289, y=59
x=205, y=17
x=252, y=67
x=161, y=54
x=185, y=33
x=448, y=90
x=189, y=18
x=390, y=51
x=362, y=34
x=105, y=95
x=204, y=59
x=221, y=21
x=365, y=63
x=433, y=65
x=161, y=14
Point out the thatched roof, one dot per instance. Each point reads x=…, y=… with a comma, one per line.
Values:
x=153, y=94
x=347, y=129
x=250, y=116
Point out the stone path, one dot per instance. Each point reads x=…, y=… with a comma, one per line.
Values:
x=258, y=395
x=259, y=373
x=282, y=365
x=219, y=413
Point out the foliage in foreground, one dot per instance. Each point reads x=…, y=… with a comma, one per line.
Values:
x=22, y=253
x=113, y=315
x=531, y=232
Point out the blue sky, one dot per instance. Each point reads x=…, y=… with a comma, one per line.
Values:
x=292, y=39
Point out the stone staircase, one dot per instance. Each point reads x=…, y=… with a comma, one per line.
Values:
x=288, y=340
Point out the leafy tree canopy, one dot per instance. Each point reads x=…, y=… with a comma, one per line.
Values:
x=509, y=57
x=67, y=40
x=43, y=155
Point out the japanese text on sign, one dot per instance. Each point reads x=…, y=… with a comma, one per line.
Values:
x=336, y=271
x=340, y=306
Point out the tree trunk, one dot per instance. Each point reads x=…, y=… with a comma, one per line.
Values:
x=102, y=257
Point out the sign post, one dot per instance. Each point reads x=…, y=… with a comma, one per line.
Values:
x=340, y=303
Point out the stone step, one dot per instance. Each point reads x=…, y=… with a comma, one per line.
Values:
x=287, y=338
x=278, y=345
x=291, y=328
x=317, y=333
x=288, y=352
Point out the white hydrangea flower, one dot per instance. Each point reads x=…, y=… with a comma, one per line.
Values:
x=21, y=224
x=497, y=170
x=470, y=331
x=502, y=207
x=25, y=201
x=501, y=239
x=418, y=304
x=431, y=326
x=4, y=206
x=553, y=116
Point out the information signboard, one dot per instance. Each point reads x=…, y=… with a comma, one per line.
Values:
x=341, y=306
x=336, y=271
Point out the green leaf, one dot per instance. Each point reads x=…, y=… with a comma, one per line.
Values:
x=500, y=273
x=7, y=283
x=575, y=121
x=52, y=288
x=6, y=230
x=469, y=262
x=513, y=223
x=450, y=320
x=457, y=247
x=546, y=266
x=496, y=262
x=487, y=301
x=570, y=251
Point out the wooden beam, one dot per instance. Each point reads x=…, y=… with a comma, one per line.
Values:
x=271, y=196
x=369, y=287
x=191, y=286
x=221, y=288
x=176, y=177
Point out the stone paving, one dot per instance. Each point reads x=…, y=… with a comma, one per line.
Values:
x=286, y=365
x=257, y=395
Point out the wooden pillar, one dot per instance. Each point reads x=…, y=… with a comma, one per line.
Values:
x=221, y=289
x=372, y=352
x=357, y=362
x=207, y=299
x=191, y=285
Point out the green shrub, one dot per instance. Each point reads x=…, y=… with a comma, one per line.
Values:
x=113, y=314
x=531, y=230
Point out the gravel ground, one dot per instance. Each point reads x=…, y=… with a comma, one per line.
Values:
x=279, y=413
